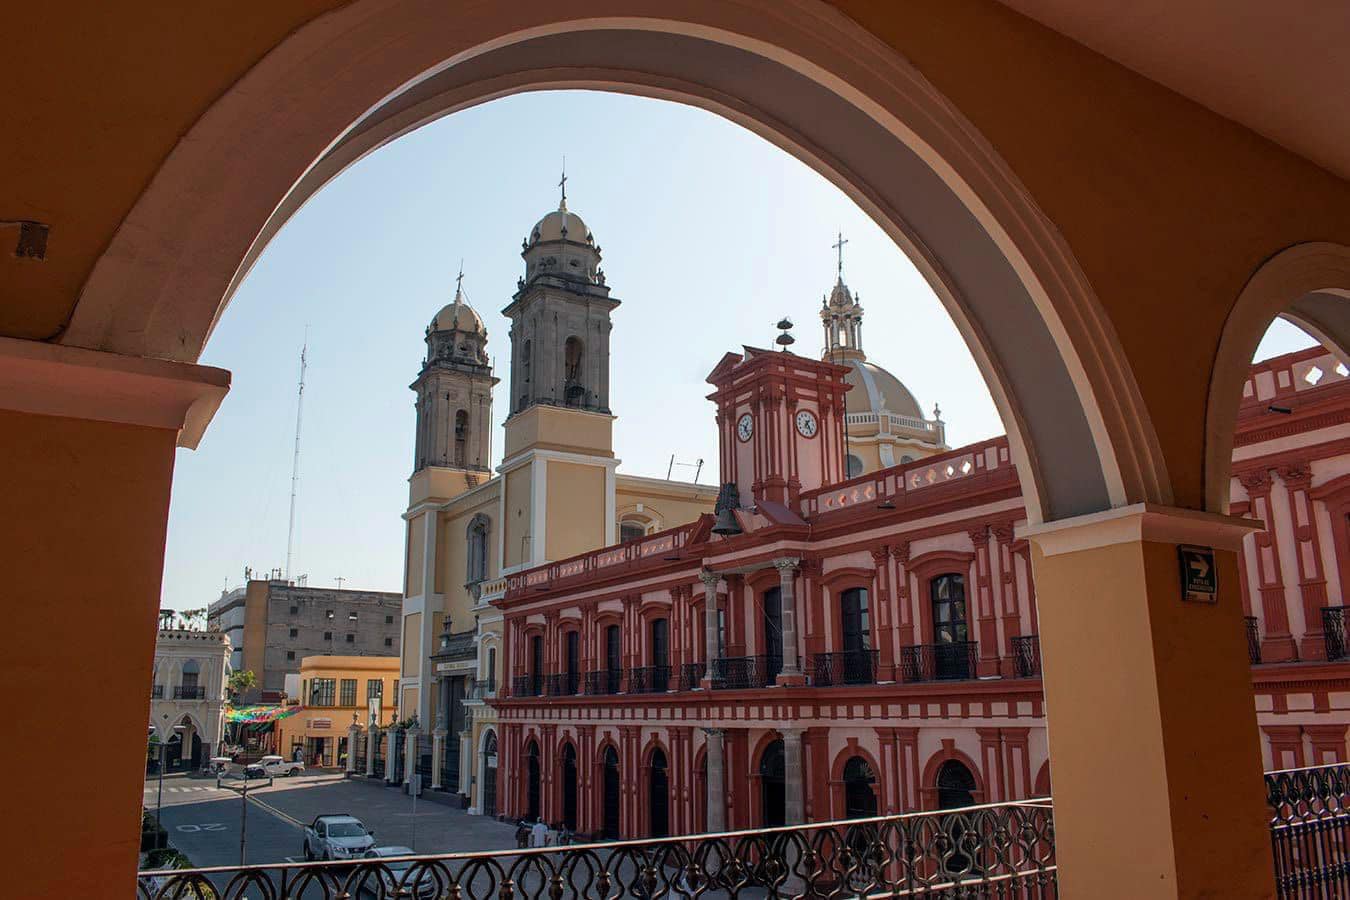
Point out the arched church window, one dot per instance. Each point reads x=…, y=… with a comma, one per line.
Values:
x=477, y=556
x=191, y=671
x=573, y=354
x=461, y=436
x=855, y=466
x=630, y=530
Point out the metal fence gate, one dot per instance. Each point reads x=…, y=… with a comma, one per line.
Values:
x=1310, y=831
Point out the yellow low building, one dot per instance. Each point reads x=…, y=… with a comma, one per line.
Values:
x=336, y=691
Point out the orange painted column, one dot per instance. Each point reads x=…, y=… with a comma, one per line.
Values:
x=87, y=444
x=1154, y=750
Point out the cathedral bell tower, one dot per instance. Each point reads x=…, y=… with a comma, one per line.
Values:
x=559, y=465
x=780, y=425
x=454, y=397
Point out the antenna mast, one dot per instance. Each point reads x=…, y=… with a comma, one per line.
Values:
x=295, y=465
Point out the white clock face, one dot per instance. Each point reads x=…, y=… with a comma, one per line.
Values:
x=806, y=423
x=745, y=426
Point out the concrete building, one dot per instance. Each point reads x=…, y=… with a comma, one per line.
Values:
x=279, y=624
x=190, y=674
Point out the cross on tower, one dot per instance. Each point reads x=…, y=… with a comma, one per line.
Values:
x=562, y=185
x=839, y=247
x=459, y=280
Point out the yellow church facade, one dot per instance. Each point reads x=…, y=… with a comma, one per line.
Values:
x=557, y=492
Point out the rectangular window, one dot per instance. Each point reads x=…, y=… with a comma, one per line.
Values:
x=322, y=691
x=374, y=688
x=351, y=639
x=351, y=617
x=330, y=614
x=389, y=642
x=348, y=692
x=295, y=632
x=328, y=635
x=295, y=610
x=389, y=620
x=290, y=654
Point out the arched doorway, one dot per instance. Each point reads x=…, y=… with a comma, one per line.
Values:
x=609, y=812
x=532, y=781
x=772, y=781
x=488, y=802
x=955, y=785
x=860, y=796
x=569, y=787
x=658, y=796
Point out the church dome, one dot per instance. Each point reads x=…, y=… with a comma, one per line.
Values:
x=551, y=227
x=875, y=389
x=458, y=316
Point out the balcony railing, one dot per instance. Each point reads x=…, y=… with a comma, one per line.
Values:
x=938, y=662
x=1253, y=641
x=1310, y=831
x=1333, y=632
x=481, y=689
x=190, y=693
x=691, y=675
x=604, y=681
x=846, y=667
x=1026, y=653
x=566, y=684
x=649, y=680
x=528, y=685
x=741, y=672
x=1000, y=850
x=156, y=692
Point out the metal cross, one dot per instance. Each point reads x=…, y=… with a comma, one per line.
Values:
x=562, y=183
x=839, y=246
x=459, y=279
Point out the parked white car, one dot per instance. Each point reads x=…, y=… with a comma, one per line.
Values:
x=337, y=837
x=279, y=766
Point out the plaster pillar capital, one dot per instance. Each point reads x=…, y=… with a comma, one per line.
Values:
x=709, y=578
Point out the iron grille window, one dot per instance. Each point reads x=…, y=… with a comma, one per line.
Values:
x=321, y=691
x=328, y=635
x=389, y=642
x=295, y=632
x=290, y=654
x=348, y=692
x=351, y=639
x=389, y=620
x=374, y=688
x=295, y=610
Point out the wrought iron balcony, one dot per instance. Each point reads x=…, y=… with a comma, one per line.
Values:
x=1253, y=641
x=604, y=681
x=938, y=662
x=528, y=686
x=156, y=692
x=565, y=684
x=190, y=693
x=1309, y=830
x=1026, y=653
x=1000, y=850
x=846, y=667
x=649, y=680
x=741, y=672
x=1334, y=633
x=691, y=675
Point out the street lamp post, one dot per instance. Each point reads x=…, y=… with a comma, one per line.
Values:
x=159, y=798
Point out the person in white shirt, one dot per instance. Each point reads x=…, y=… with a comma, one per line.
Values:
x=539, y=833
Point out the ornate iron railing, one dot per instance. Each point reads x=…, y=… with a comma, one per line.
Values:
x=691, y=675
x=938, y=662
x=994, y=851
x=604, y=681
x=739, y=672
x=1026, y=653
x=649, y=680
x=359, y=754
x=528, y=686
x=377, y=763
x=1253, y=640
x=156, y=692
x=1310, y=831
x=481, y=689
x=845, y=667
x=190, y=693
x=1333, y=632
x=565, y=684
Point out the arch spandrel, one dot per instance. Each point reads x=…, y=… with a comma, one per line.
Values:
x=797, y=72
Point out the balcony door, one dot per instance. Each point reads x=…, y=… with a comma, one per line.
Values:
x=572, y=654
x=772, y=786
x=855, y=620
x=613, y=658
x=773, y=632
x=532, y=784
x=537, y=664
x=951, y=632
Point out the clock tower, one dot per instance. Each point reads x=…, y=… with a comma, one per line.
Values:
x=780, y=420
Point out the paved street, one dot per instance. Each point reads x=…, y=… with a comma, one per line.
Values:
x=203, y=821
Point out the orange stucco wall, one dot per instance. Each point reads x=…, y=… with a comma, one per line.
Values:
x=82, y=521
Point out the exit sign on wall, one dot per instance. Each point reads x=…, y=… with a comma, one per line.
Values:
x=1199, y=577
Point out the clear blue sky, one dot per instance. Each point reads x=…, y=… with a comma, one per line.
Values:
x=709, y=236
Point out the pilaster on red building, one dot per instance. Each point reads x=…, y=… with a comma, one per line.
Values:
x=827, y=647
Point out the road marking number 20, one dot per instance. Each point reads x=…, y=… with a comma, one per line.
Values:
x=213, y=826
